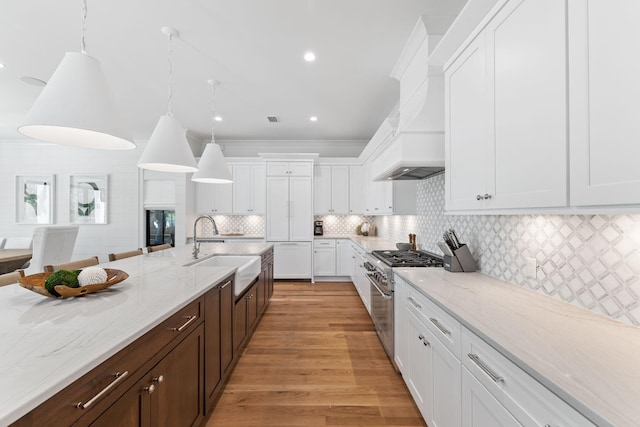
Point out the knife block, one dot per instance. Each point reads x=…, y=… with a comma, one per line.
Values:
x=461, y=261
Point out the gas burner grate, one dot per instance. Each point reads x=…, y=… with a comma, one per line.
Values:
x=409, y=258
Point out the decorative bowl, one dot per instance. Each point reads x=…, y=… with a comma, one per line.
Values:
x=35, y=283
x=403, y=246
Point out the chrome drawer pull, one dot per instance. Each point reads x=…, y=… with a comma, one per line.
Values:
x=414, y=303
x=425, y=342
x=119, y=377
x=496, y=378
x=190, y=320
x=439, y=326
x=225, y=285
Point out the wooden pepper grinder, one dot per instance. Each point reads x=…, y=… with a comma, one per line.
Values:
x=412, y=240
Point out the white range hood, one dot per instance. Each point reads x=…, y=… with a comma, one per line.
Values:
x=416, y=147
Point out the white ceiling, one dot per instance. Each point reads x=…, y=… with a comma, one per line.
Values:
x=253, y=47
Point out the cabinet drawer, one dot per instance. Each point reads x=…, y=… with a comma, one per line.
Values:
x=324, y=243
x=95, y=391
x=524, y=397
x=441, y=324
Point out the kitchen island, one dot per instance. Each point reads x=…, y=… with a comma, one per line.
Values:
x=47, y=344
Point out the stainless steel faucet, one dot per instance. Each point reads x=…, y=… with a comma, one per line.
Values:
x=196, y=245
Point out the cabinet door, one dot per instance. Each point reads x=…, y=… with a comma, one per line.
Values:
x=239, y=324
x=480, y=408
x=300, y=209
x=258, y=189
x=400, y=324
x=604, y=102
x=213, y=198
x=226, y=327
x=252, y=306
x=419, y=364
x=301, y=169
x=339, y=189
x=178, y=399
x=213, y=372
x=356, y=190
x=324, y=261
x=132, y=409
x=445, y=375
x=278, y=208
x=242, y=184
x=527, y=90
x=277, y=168
x=322, y=189
x=465, y=128
x=343, y=257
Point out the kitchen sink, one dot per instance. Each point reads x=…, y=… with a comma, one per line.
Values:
x=248, y=268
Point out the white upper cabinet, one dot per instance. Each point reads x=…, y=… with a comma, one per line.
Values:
x=356, y=190
x=331, y=189
x=214, y=198
x=466, y=139
x=301, y=168
x=604, y=75
x=506, y=109
x=249, y=189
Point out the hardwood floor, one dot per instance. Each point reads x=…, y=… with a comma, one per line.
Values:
x=315, y=360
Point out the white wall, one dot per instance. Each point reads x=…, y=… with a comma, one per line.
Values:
x=28, y=157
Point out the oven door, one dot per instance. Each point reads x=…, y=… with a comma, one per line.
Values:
x=382, y=315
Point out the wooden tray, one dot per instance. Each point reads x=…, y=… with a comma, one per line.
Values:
x=35, y=283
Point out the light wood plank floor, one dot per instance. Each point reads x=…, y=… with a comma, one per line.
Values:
x=315, y=360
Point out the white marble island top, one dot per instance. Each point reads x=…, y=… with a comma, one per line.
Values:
x=589, y=360
x=47, y=343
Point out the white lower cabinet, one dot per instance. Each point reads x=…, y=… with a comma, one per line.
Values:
x=324, y=257
x=457, y=379
x=292, y=260
x=343, y=257
x=480, y=408
x=359, y=277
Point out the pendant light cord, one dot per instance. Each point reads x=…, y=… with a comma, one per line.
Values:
x=213, y=111
x=170, y=96
x=83, y=47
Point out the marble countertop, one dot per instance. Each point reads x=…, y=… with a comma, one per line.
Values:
x=40, y=336
x=588, y=360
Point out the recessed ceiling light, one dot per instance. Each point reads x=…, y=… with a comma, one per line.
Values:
x=309, y=56
x=217, y=118
x=33, y=81
x=313, y=118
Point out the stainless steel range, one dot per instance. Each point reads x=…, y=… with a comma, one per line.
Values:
x=379, y=266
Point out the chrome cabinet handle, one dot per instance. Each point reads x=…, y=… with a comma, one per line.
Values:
x=150, y=389
x=480, y=364
x=414, y=303
x=487, y=196
x=158, y=379
x=439, y=326
x=119, y=377
x=478, y=197
x=190, y=320
x=226, y=284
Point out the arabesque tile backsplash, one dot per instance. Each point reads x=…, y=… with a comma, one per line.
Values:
x=592, y=261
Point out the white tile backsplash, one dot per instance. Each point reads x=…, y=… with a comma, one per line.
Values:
x=592, y=261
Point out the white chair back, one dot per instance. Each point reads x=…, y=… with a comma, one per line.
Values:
x=18, y=243
x=52, y=246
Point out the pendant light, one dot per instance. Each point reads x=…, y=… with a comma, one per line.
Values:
x=76, y=107
x=213, y=168
x=168, y=149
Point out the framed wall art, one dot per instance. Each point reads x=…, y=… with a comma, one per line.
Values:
x=34, y=199
x=88, y=199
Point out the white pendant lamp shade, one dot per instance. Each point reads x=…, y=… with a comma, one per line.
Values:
x=76, y=108
x=168, y=149
x=212, y=168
